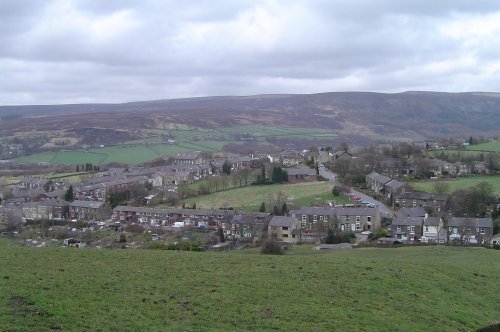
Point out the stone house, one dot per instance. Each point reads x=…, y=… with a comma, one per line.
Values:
x=407, y=229
x=376, y=181
x=88, y=210
x=357, y=219
x=470, y=230
x=286, y=229
x=47, y=209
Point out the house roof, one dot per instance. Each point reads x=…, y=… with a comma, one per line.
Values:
x=186, y=212
x=411, y=212
x=432, y=221
x=423, y=196
x=356, y=211
x=395, y=184
x=87, y=204
x=54, y=202
x=280, y=221
x=379, y=177
x=293, y=171
x=470, y=222
x=313, y=210
x=409, y=221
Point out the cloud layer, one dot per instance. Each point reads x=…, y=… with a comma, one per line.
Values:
x=65, y=51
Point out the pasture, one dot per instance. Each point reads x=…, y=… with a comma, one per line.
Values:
x=460, y=183
x=250, y=198
x=154, y=144
x=373, y=289
x=493, y=146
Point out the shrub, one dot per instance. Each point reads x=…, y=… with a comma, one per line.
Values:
x=380, y=232
x=157, y=245
x=135, y=228
x=271, y=247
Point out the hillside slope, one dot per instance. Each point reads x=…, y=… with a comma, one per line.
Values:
x=372, y=115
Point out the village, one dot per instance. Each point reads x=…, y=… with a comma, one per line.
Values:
x=379, y=206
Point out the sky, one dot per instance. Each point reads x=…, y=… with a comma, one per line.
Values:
x=99, y=51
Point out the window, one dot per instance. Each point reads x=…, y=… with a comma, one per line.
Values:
x=369, y=218
x=413, y=228
x=303, y=217
x=408, y=228
x=284, y=228
x=358, y=218
x=399, y=228
x=358, y=226
x=285, y=235
x=482, y=230
x=315, y=217
x=347, y=218
x=320, y=217
x=426, y=228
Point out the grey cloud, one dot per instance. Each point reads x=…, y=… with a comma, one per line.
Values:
x=93, y=51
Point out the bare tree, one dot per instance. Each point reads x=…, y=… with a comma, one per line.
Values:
x=441, y=187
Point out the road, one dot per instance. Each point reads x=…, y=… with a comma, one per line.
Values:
x=385, y=211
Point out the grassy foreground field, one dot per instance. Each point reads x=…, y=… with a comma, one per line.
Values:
x=461, y=183
x=402, y=289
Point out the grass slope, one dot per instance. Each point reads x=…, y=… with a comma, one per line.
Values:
x=187, y=139
x=248, y=198
x=493, y=146
x=461, y=183
x=404, y=289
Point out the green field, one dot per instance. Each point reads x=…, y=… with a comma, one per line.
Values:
x=249, y=198
x=403, y=289
x=460, y=183
x=493, y=146
x=187, y=139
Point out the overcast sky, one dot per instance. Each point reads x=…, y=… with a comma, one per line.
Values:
x=70, y=51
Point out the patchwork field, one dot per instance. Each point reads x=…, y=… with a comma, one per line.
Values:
x=402, y=289
x=250, y=198
x=460, y=183
x=154, y=144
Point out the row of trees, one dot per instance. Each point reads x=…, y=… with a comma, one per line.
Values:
x=88, y=167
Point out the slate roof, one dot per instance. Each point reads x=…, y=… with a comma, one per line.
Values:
x=322, y=211
x=423, y=196
x=432, y=221
x=410, y=221
x=379, y=177
x=356, y=211
x=280, y=221
x=470, y=222
x=294, y=171
x=395, y=184
x=411, y=212
x=87, y=204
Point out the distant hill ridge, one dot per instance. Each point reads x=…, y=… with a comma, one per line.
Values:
x=406, y=114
